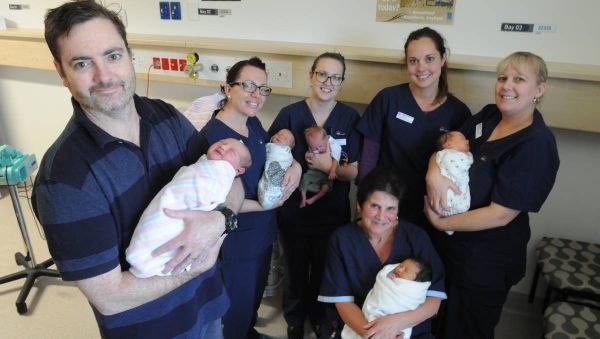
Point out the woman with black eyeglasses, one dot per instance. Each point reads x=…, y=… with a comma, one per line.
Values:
x=246, y=252
x=304, y=231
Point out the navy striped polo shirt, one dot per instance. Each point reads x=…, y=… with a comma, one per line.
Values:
x=91, y=190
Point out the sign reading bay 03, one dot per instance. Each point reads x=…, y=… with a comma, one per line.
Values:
x=416, y=11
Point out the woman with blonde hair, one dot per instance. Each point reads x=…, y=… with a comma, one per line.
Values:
x=515, y=165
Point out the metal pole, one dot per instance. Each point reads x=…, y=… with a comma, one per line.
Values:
x=14, y=195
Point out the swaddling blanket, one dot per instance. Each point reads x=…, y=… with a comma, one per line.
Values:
x=200, y=186
x=455, y=166
x=390, y=296
x=279, y=159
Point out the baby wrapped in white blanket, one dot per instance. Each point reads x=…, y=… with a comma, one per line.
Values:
x=279, y=159
x=454, y=160
x=393, y=294
x=201, y=186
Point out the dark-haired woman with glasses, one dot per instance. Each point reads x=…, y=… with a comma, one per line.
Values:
x=246, y=252
x=304, y=231
x=402, y=123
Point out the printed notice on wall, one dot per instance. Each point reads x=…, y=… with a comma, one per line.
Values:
x=416, y=11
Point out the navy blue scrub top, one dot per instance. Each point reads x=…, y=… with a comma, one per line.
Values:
x=256, y=230
x=352, y=264
x=407, y=135
x=518, y=172
x=333, y=209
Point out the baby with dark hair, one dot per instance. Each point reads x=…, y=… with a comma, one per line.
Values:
x=398, y=288
x=411, y=269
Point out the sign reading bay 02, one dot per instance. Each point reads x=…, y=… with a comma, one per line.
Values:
x=416, y=11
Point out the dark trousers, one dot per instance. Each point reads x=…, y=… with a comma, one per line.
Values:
x=245, y=280
x=305, y=257
x=470, y=313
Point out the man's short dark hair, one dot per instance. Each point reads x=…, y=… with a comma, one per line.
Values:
x=60, y=20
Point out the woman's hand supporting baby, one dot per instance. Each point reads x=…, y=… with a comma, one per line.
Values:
x=291, y=180
x=437, y=188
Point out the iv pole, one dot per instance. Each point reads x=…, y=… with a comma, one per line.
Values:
x=32, y=270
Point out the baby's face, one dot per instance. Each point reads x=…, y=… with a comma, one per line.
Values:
x=232, y=151
x=408, y=269
x=317, y=144
x=284, y=136
x=457, y=141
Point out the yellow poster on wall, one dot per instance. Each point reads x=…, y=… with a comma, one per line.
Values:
x=416, y=11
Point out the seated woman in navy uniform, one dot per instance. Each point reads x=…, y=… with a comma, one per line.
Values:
x=360, y=249
x=515, y=165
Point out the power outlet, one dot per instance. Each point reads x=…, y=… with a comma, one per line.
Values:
x=213, y=67
x=141, y=63
x=279, y=73
x=159, y=62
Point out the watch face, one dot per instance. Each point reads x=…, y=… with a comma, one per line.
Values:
x=230, y=219
x=232, y=224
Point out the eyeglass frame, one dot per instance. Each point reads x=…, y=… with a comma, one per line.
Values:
x=330, y=77
x=245, y=84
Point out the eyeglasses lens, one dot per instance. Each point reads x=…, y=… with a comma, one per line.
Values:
x=264, y=90
x=251, y=87
x=323, y=77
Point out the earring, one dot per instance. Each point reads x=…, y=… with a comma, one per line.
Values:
x=536, y=100
x=228, y=96
x=397, y=218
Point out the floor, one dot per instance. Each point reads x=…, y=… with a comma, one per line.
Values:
x=58, y=310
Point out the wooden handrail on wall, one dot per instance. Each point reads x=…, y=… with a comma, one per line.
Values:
x=572, y=100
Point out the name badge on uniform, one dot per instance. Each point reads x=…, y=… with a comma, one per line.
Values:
x=405, y=117
x=341, y=142
x=478, y=130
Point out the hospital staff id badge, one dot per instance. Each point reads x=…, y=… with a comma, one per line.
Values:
x=478, y=130
x=405, y=117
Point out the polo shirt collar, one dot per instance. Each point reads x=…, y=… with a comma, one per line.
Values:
x=96, y=133
x=537, y=118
